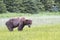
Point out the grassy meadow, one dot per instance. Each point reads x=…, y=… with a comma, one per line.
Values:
x=40, y=32
x=36, y=32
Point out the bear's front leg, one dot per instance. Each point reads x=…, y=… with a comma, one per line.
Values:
x=20, y=27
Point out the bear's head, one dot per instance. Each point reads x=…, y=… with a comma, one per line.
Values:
x=28, y=22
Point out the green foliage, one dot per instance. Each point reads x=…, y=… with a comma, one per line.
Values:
x=11, y=5
x=30, y=6
x=2, y=7
x=23, y=6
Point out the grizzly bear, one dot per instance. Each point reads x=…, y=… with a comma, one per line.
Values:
x=18, y=22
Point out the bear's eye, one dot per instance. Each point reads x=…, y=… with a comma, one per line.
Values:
x=26, y=20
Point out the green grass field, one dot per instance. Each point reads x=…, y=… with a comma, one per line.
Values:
x=7, y=15
x=41, y=32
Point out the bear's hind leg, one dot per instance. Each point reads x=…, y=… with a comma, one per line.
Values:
x=9, y=26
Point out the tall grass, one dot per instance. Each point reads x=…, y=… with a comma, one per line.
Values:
x=4, y=15
x=42, y=32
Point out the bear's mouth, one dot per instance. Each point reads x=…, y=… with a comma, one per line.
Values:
x=29, y=25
